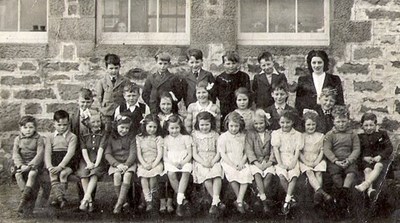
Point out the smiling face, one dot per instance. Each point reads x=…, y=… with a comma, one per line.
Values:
x=259, y=124
x=327, y=102
x=204, y=126
x=267, y=66
x=201, y=94
x=340, y=123
x=279, y=96
x=195, y=64
x=28, y=129
x=123, y=129
x=310, y=126
x=317, y=64
x=151, y=128
x=286, y=124
x=131, y=97
x=166, y=106
x=162, y=66
x=112, y=70
x=95, y=123
x=369, y=126
x=61, y=125
x=84, y=103
x=242, y=101
x=230, y=66
x=174, y=129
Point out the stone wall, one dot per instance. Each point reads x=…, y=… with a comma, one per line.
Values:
x=38, y=79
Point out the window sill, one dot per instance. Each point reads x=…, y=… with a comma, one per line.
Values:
x=145, y=38
x=23, y=37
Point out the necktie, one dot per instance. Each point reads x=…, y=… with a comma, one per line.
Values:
x=196, y=74
x=327, y=112
x=113, y=80
x=279, y=110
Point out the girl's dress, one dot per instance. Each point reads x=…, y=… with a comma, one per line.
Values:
x=206, y=145
x=91, y=142
x=149, y=146
x=258, y=148
x=176, y=148
x=121, y=149
x=287, y=143
x=313, y=145
x=248, y=117
x=197, y=108
x=234, y=147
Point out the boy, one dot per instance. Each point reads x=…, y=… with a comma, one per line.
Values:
x=161, y=81
x=279, y=93
x=342, y=149
x=109, y=89
x=132, y=107
x=27, y=155
x=327, y=101
x=196, y=75
x=262, y=83
x=59, y=151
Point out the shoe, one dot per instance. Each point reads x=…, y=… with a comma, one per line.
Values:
x=372, y=194
x=363, y=186
x=326, y=196
x=221, y=206
x=90, y=207
x=266, y=208
x=55, y=203
x=318, y=197
x=213, y=209
x=63, y=204
x=179, y=210
x=117, y=209
x=246, y=206
x=170, y=209
x=239, y=207
x=84, y=205
x=149, y=206
x=286, y=208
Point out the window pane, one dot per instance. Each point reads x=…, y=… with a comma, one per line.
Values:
x=8, y=15
x=311, y=16
x=115, y=15
x=282, y=16
x=170, y=19
x=253, y=16
x=33, y=15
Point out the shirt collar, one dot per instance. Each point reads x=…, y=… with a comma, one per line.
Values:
x=64, y=134
x=34, y=136
x=348, y=130
x=280, y=107
x=273, y=72
x=322, y=76
x=132, y=107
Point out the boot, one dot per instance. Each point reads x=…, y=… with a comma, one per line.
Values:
x=26, y=196
x=63, y=190
x=121, y=198
x=55, y=190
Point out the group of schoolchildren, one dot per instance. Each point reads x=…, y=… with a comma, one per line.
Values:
x=208, y=144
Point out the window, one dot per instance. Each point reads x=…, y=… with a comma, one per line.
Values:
x=144, y=22
x=283, y=22
x=23, y=21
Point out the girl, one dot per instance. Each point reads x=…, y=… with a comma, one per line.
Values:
x=243, y=102
x=206, y=166
x=121, y=155
x=260, y=156
x=234, y=159
x=287, y=143
x=165, y=109
x=376, y=149
x=203, y=104
x=311, y=157
x=91, y=166
x=177, y=158
x=149, y=151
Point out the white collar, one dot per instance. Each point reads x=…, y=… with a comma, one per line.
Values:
x=273, y=72
x=132, y=107
x=64, y=134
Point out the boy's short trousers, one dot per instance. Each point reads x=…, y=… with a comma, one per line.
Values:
x=57, y=157
x=334, y=169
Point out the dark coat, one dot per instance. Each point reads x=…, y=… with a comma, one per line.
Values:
x=192, y=81
x=262, y=89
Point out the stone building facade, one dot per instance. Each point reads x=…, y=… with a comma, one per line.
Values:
x=40, y=78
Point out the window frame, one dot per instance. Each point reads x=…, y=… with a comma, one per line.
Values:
x=287, y=39
x=143, y=38
x=26, y=37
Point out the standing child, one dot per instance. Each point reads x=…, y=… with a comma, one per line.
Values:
x=376, y=149
x=59, y=152
x=149, y=145
x=27, y=155
x=342, y=149
x=263, y=82
x=287, y=144
x=229, y=81
x=121, y=155
x=161, y=81
x=196, y=75
x=109, y=89
x=207, y=169
x=243, y=103
x=203, y=104
x=177, y=158
x=132, y=108
x=234, y=159
x=91, y=165
x=261, y=157
x=327, y=100
x=311, y=157
x=280, y=94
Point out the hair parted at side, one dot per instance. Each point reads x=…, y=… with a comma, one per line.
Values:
x=281, y=85
x=291, y=115
x=205, y=115
x=60, y=114
x=369, y=116
x=329, y=92
x=112, y=59
x=86, y=94
x=267, y=56
x=131, y=88
x=317, y=53
x=196, y=53
x=244, y=91
x=163, y=56
x=27, y=119
x=234, y=117
x=231, y=56
x=147, y=119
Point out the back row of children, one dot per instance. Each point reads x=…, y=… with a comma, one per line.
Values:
x=247, y=149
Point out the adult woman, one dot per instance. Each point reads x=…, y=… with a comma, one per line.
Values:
x=310, y=87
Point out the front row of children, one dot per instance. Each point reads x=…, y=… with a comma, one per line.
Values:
x=239, y=155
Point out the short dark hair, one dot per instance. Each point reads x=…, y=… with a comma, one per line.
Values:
x=340, y=111
x=131, y=88
x=369, y=116
x=163, y=56
x=205, y=115
x=150, y=118
x=196, y=53
x=27, y=119
x=86, y=94
x=234, y=117
x=60, y=114
x=266, y=56
x=317, y=53
x=112, y=59
x=329, y=92
x=291, y=115
x=232, y=56
x=281, y=85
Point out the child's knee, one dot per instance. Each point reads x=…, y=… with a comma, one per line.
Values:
x=32, y=174
x=117, y=177
x=378, y=166
x=127, y=178
x=65, y=173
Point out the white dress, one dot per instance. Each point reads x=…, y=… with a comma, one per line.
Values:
x=149, y=146
x=176, y=149
x=313, y=145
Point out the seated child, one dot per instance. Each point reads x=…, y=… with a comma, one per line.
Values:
x=28, y=152
x=327, y=100
x=234, y=159
x=287, y=144
x=261, y=157
x=376, y=149
x=263, y=82
x=203, y=104
x=342, y=149
x=59, y=151
x=91, y=165
x=121, y=155
x=243, y=103
x=80, y=118
x=311, y=157
x=132, y=108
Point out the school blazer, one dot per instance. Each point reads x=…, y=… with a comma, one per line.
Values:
x=109, y=96
x=262, y=89
x=306, y=94
x=154, y=86
x=192, y=81
x=256, y=150
x=274, y=120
